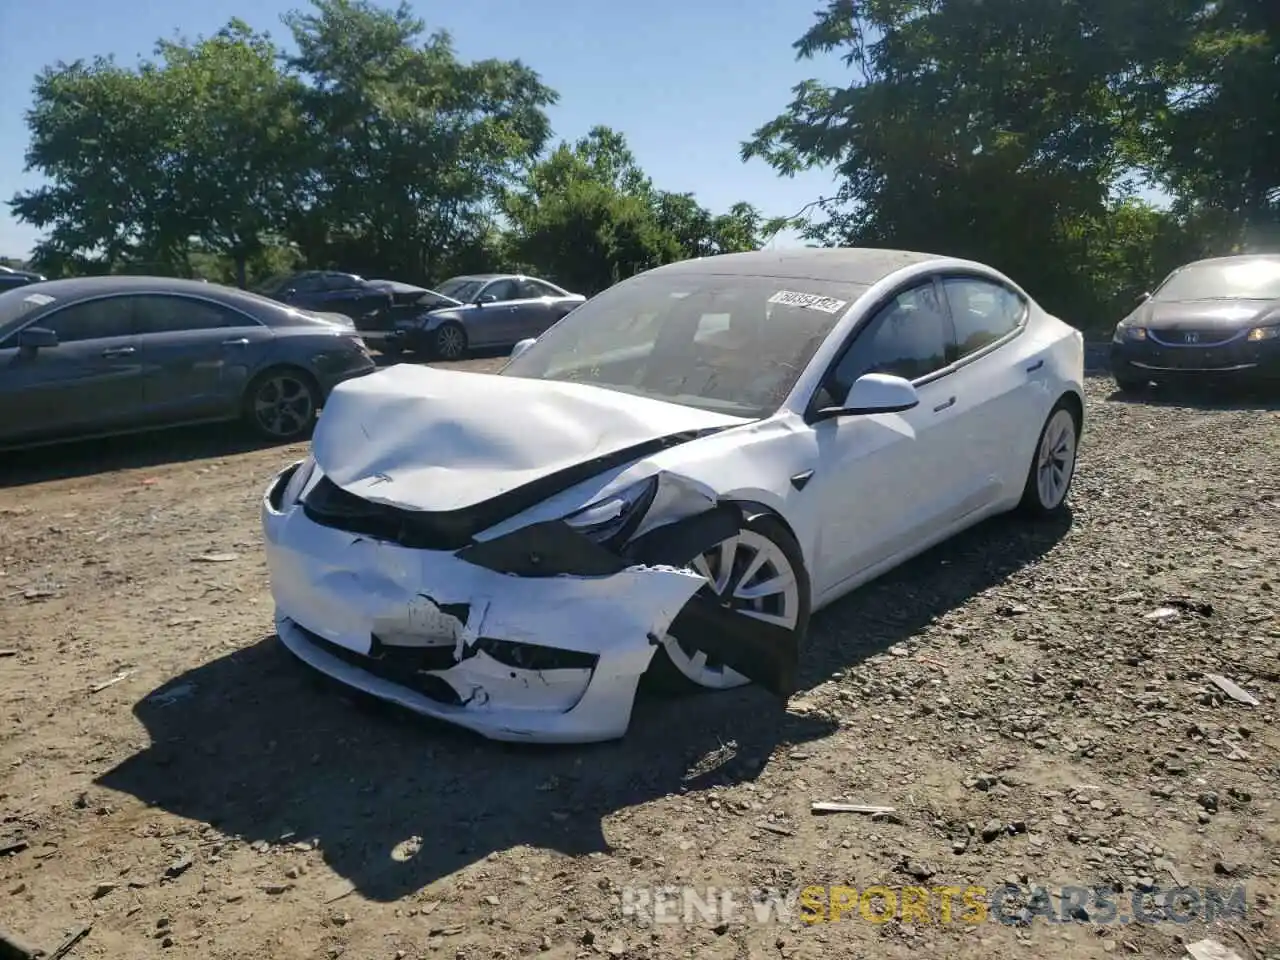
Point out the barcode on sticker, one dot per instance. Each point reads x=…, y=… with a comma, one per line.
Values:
x=809, y=301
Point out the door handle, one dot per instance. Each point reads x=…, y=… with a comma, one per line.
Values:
x=118, y=352
x=942, y=406
x=236, y=342
x=1036, y=366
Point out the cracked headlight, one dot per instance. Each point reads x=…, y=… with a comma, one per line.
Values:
x=297, y=483
x=617, y=516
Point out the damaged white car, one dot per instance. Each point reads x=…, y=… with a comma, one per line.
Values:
x=671, y=479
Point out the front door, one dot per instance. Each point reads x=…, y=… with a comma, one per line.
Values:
x=884, y=480
x=91, y=382
x=492, y=322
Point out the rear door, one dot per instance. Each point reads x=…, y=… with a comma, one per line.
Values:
x=198, y=355
x=1001, y=384
x=91, y=382
x=533, y=309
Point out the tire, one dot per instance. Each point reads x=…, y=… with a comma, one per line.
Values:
x=1053, y=464
x=281, y=404
x=674, y=670
x=449, y=342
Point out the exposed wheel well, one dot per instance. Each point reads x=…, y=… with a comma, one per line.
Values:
x=1075, y=403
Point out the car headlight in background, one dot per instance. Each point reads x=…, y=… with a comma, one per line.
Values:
x=1263, y=333
x=1124, y=332
x=297, y=483
x=616, y=516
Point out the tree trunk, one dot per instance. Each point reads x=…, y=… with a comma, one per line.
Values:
x=241, y=265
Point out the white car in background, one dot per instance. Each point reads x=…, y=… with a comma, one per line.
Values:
x=671, y=479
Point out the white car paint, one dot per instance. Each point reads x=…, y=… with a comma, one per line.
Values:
x=884, y=487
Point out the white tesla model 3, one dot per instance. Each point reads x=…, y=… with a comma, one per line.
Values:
x=670, y=479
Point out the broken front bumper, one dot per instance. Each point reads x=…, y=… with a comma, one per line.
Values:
x=541, y=659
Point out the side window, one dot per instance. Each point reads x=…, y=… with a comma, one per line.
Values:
x=166, y=314
x=531, y=289
x=982, y=311
x=502, y=290
x=94, y=320
x=308, y=284
x=907, y=338
x=338, y=281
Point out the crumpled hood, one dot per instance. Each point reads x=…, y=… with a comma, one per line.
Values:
x=428, y=439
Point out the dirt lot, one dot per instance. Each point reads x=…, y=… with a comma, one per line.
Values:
x=185, y=788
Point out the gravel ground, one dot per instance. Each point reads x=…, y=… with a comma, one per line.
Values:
x=1032, y=701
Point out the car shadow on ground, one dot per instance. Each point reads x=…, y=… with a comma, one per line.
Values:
x=1203, y=396
x=252, y=745
x=135, y=451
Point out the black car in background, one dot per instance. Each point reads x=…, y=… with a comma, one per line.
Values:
x=10, y=278
x=370, y=304
x=1216, y=319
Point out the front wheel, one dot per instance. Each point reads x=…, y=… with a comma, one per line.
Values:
x=281, y=405
x=762, y=571
x=450, y=341
x=1053, y=465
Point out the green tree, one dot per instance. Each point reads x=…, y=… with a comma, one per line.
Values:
x=410, y=148
x=989, y=130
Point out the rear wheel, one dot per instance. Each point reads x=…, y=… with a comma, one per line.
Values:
x=281, y=404
x=761, y=571
x=450, y=341
x=1054, y=463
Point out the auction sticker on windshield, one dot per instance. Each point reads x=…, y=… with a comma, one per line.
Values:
x=809, y=301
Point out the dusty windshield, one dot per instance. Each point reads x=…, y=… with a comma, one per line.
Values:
x=733, y=344
x=1240, y=280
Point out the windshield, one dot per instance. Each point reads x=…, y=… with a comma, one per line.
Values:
x=1224, y=280
x=732, y=344
x=462, y=289
x=16, y=304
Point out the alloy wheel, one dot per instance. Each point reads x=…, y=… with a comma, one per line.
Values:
x=283, y=406
x=755, y=576
x=1056, y=459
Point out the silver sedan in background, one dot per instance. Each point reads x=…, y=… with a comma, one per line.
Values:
x=96, y=356
x=483, y=310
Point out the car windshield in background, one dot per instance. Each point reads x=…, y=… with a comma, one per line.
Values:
x=462, y=289
x=732, y=344
x=1241, y=280
x=16, y=304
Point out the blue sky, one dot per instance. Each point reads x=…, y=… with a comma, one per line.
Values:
x=685, y=80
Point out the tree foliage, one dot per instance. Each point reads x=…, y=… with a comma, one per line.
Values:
x=372, y=147
x=1011, y=131
x=1016, y=132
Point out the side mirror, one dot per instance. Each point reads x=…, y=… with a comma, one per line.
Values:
x=522, y=346
x=1144, y=297
x=875, y=393
x=485, y=298
x=33, y=338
